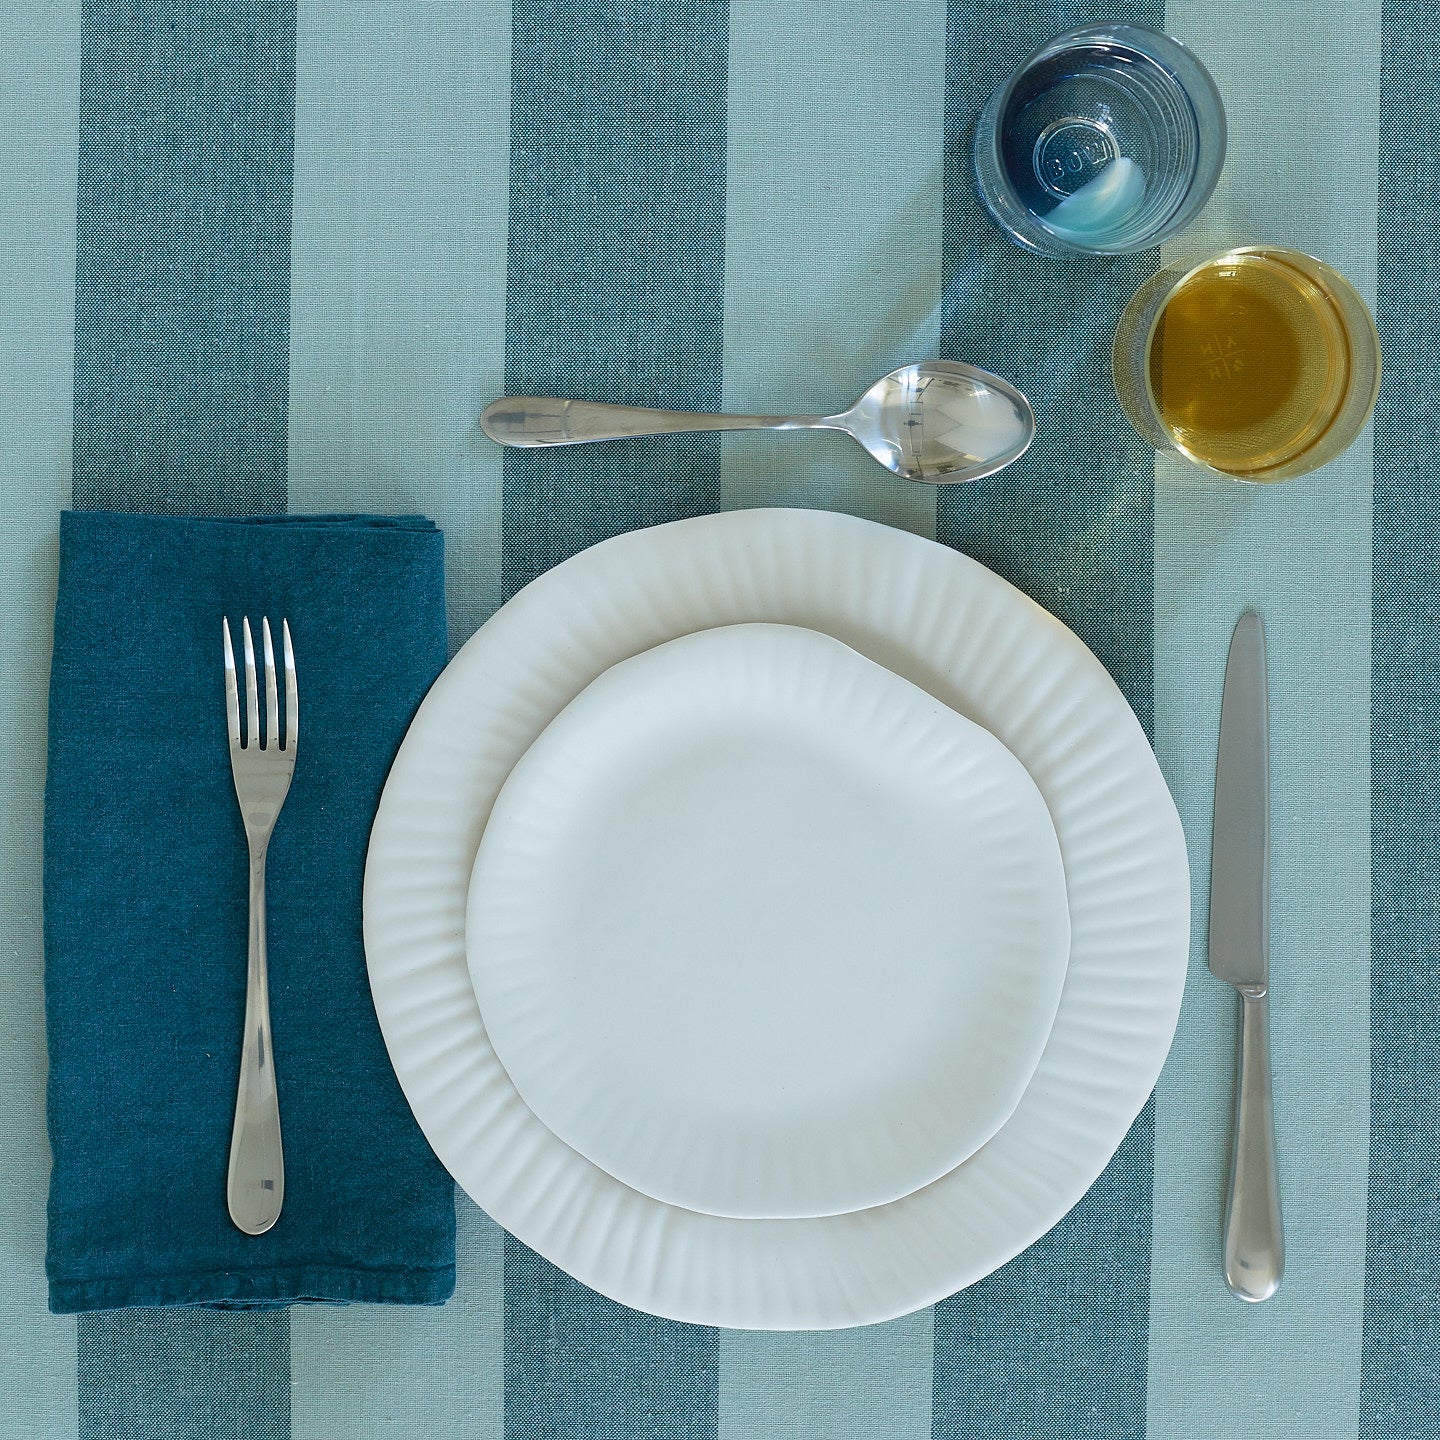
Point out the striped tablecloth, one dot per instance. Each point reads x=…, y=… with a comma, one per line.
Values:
x=262, y=254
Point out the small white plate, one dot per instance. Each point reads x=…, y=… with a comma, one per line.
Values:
x=764, y=930
x=966, y=637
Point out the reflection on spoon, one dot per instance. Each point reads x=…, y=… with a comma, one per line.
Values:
x=938, y=421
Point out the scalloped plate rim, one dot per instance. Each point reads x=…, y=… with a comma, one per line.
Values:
x=853, y=1269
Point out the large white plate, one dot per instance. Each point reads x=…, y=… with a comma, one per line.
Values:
x=946, y=624
x=764, y=930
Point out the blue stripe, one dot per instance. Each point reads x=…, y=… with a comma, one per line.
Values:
x=615, y=291
x=219, y=1375
x=1060, y=1332
x=182, y=279
x=1400, y=1365
x=1072, y=523
x=873, y=1383
x=616, y=278
x=182, y=309
x=38, y=112
x=579, y=1366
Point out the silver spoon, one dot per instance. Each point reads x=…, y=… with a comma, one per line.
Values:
x=937, y=421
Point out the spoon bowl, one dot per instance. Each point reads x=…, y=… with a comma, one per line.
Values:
x=936, y=421
x=941, y=422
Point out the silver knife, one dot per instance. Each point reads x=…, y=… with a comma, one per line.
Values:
x=1240, y=955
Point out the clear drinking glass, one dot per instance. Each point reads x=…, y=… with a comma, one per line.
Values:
x=1259, y=363
x=1106, y=140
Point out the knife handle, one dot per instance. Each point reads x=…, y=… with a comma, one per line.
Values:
x=1254, y=1235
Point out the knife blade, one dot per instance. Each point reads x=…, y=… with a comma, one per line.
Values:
x=1240, y=851
x=1254, y=1252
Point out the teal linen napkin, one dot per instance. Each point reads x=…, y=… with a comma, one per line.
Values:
x=145, y=915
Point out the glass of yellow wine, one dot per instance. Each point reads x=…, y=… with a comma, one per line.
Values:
x=1261, y=363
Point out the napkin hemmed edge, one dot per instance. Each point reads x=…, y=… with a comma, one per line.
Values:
x=289, y=1285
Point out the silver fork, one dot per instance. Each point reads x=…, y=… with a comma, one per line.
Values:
x=261, y=767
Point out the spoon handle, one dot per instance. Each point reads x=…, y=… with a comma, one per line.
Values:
x=527, y=420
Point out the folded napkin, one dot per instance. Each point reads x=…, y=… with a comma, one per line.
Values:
x=145, y=915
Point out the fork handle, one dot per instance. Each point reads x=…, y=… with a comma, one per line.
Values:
x=255, y=1187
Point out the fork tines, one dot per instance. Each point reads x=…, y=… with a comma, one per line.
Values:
x=253, y=738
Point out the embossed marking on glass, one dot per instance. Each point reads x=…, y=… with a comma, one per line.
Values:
x=938, y=421
x=261, y=766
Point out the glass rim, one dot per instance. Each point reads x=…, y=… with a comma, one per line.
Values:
x=1368, y=340
x=1030, y=230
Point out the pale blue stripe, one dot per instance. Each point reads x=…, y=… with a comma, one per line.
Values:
x=832, y=257
x=372, y=1372
x=397, y=338
x=872, y=1383
x=832, y=266
x=38, y=119
x=398, y=272
x=1300, y=552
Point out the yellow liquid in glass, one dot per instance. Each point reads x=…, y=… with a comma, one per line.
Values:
x=1249, y=364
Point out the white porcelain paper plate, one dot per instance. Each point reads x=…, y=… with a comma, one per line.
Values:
x=954, y=629
x=764, y=930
